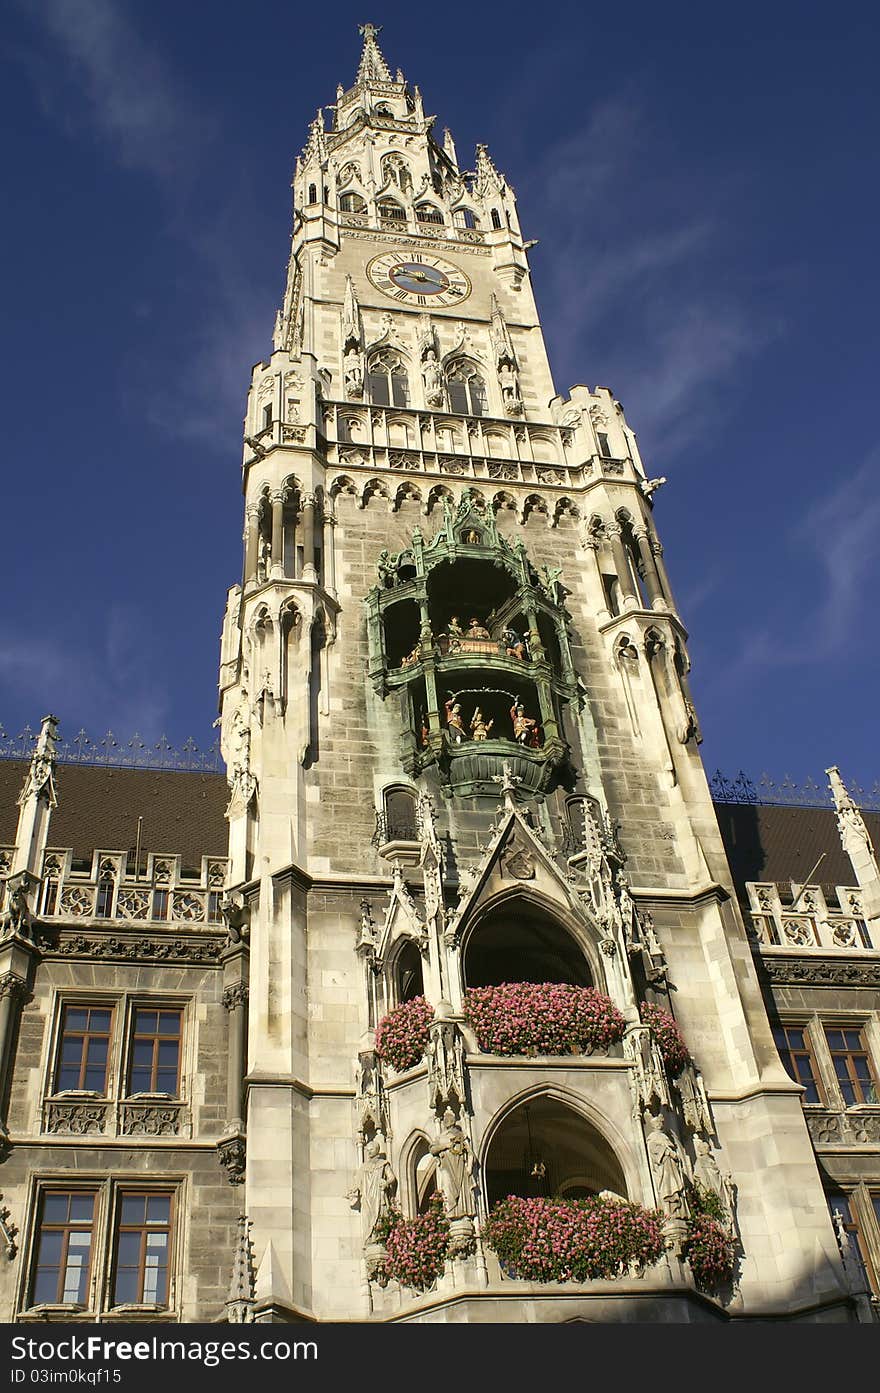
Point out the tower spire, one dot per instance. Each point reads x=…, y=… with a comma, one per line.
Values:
x=856, y=843
x=373, y=67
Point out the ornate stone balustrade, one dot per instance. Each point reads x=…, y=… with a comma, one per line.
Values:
x=808, y=921
x=855, y=1127
x=111, y=890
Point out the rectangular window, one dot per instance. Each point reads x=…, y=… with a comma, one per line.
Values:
x=84, y=1048
x=50, y=897
x=852, y=1064
x=848, y=1208
x=63, y=1248
x=794, y=1050
x=154, y=1059
x=160, y=904
x=143, y=1244
x=214, y=914
x=603, y=445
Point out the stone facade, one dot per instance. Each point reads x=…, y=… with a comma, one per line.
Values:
x=461, y=752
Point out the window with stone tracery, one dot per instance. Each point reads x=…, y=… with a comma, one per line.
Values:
x=352, y=203
x=387, y=379
x=391, y=211
x=349, y=172
x=429, y=212
x=465, y=388
x=395, y=170
x=465, y=217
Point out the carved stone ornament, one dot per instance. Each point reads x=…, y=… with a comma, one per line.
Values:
x=150, y=1119
x=76, y=1117
x=236, y=916
x=694, y=1102
x=669, y=1166
x=232, y=1155
x=821, y=973
x=235, y=996
x=9, y=1232
x=455, y=1166
x=518, y=863
x=375, y=1189
x=647, y=1077
x=113, y=948
x=445, y=1064
x=371, y=1102
x=16, y=919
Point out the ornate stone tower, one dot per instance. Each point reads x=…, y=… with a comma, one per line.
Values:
x=466, y=791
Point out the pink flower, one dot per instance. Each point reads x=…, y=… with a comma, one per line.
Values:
x=670, y=1040
x=542, y=1018
x=402, y=1035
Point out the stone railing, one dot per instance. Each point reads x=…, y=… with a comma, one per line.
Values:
x=110, y=890
x=801, y=918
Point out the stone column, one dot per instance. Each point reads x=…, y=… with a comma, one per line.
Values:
x=279, y=497
x=308, y=509
x=621, y=564
x=231, y=1149
x=330, y=554
x=592, y=545
x=657, y=549
x=656, y=598
x=252, y=543
x=18, y=958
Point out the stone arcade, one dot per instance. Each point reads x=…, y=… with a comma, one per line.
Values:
x=463, y=774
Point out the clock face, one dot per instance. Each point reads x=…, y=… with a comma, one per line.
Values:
x=416, y=279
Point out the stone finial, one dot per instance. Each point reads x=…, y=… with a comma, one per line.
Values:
x=856, y=843
x=242, y=1287
x=40, y=779
x=372, y=67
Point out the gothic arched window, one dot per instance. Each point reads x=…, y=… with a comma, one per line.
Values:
x=465, y=388
x=496, y=218
x=395, y=170
x=387, y=379
x=465, y=217
x=429, y=212
x=391, y=211
x=383, y=109
x=352, y=203
x=313, y=193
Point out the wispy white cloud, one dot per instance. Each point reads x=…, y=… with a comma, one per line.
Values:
x=634, y=289
x=113, y=676
x=833, y=549
x=131, y=96
x=137, y=106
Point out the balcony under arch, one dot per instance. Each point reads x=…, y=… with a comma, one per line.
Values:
x=545, y=1148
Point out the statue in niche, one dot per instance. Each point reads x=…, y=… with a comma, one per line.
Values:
x=264, y=558
x=509, y=384
x=413, y=657
x=708, y=1176
x=477, y=630
x=454, y=722
x=375, y=1188
x=386, y=568
x=668, y=1165
x=472, y=537
x=353, y=374
x=454, y=1168
x=433, y=378
x=424, y=732
x=525, y=728
x=445, y=1061
x=480, y=727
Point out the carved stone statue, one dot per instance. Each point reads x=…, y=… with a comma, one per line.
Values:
x=264, y=558
x=375, y=1188
x=477, y=630
x=708, y=1176
x=694, y=1103
x=454, y=722
x=479, y=725
x=433, y=379
x=667, y=1163
x=454, y=1168
x=353, y=374
x=16, y=917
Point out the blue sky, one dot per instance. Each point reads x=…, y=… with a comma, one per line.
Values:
x=703, y=185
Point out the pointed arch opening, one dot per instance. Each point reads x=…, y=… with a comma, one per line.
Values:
x=521, y=941
x=544, y=1148
x=465, y=388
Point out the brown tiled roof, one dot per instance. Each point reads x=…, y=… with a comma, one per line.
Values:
x=98, y=808
x=782, y=844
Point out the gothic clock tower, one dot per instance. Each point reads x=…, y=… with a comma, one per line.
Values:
x=466, y=792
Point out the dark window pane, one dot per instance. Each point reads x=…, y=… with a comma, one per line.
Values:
x=458, y=398
x=95, y=1078
x=379, y=389
x=398, y=389
x=55, y=1208
x=82, y=1206
x=97, y=1051
x=835, y=1039
x=126, y=1290
x=75, y=1019
x=71, y=1049
x=145, y=1022
x=45, y=1286
x=853, y=1039
x=141, y=1080
x=166, y=1081
x=51, y=1248
x=169, y=1023
x=100, y=1020
x=142, y=1052
x=129, y=1248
